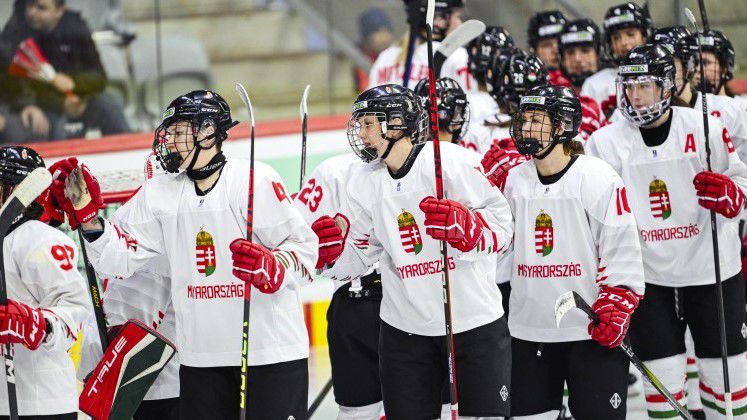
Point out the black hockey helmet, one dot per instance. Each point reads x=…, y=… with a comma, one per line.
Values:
x=545, y=24
x=453, y=108
x=717, y=43
x=416, y=10
x=16, y=162
x=515, y=76
x=679, y=42
x=203, y=109
x=644, y=64
x=626, y=15
x=387, y=103
x=563, y=108
x=481, y=49
x=580, y=32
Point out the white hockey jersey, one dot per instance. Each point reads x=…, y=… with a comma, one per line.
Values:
x=674, y=229
x=41, y=270
x=482, y=107
x=389, y=67
x=194, y=232
x=731, y=115
x=387, y=226
x=575, y=234
x=325, y=193
x=600, y=86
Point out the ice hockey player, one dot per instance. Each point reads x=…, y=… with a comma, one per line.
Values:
x=353, y=315
x=146, y=297
x=625, y=26
x=453, y=111
x=542, y=32
x=205, y=204
x=659, y=151
x=580, y=47
x=395, y=220
x=495, y=41
x=389, y=67
x=719, y=59
x=574, y=232
x=47, y=302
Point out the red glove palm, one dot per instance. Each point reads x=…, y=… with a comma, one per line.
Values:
x=20, y=323
x=331, y=240
x=719, y=193
x=448, y=220
x=256, y=265
x=88, y=198
x=613, y=307
x=498, y=161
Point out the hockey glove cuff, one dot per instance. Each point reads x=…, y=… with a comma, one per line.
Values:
x=257, y=265
x=498, y=161
x=719, y=193
x=20, y=323
x=450, y=221
x=613, y=307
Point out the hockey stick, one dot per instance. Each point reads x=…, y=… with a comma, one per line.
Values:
x=570, y=300
x=304, y=123
x=93, y=288
x=319, y=399
x=433, y=116
x=247, y=288
x=411, y=41
x=23, y=194
x=703, y=15
x=728, y=407
x=462, y=35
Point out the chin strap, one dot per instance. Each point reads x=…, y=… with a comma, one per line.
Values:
x=215, y=164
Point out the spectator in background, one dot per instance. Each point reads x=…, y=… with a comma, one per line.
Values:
x=376, y=35
x=55, y=63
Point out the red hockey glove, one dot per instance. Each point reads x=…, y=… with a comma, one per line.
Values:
x=76, y=191
x=20, y=323
x=613, y=307
x=331, y=240
x=719, y=193
x=498, y=161
x=256, y=265
x=448, y=220
x=591, y=117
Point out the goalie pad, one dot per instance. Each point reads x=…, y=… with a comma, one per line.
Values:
x=124, y=374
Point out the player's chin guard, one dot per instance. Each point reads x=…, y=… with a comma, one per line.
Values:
x=186, y=119
x=679, y=42
x=16, y=162
x=622, y=16
x=579, y=33
x=483, y=48
x=381, y=110
x=544, y=25
x=453, y=108
x=716, y=42
x=643, y=66
x=124, y=374
x=552, y=113
x=514, y=77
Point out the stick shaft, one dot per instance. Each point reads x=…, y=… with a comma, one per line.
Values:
x=703, y=15
x=433, y=113
x=247, y=287
x=412, y=40
x=93, y=289
x=319, y=398
x=304, y=123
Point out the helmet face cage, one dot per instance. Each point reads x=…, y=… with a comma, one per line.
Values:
x=680, y=43
x=533, y=131
x=715, y=42
x=648, y=114
x=170, y=157
x=414, y=125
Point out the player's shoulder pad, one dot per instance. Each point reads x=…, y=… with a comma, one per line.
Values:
x=33, y=240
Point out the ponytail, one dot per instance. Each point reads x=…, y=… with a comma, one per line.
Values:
x=573, y=147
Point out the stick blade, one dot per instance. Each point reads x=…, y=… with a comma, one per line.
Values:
x=563, y=304
x=304, y=100
x=245, y=98
x=24, y=194
x=462, y=35
x=690, y=16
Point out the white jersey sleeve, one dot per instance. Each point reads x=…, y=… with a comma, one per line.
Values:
x=600, y=87
x=734, y=118
x=456, y=68
x=41, y=270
